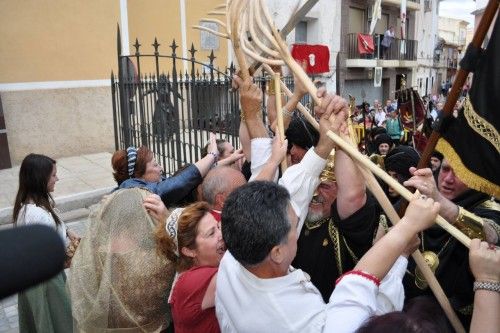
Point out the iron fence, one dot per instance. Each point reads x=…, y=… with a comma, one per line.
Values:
x=170, y=111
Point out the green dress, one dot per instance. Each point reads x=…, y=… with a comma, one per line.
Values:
x=46, y=307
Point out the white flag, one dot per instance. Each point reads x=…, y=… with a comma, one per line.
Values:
x=376, y=15
x=403, y=27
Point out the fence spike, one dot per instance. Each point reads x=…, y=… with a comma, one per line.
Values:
x=118, y=40
x=156, y=45
x=137, y=45
x=211, y=57
x=192, y=51
x=173, y=46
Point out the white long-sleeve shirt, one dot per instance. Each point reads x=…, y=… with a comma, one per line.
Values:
x=300, y=179
x=291, y=303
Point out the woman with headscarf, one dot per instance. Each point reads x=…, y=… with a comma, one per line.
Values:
x=137, y=167
x=118, y=281
x=192, y=240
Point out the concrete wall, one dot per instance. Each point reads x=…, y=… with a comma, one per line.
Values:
x=57, y=40
x=58, y=122
x=323, y=27
x=56, y=61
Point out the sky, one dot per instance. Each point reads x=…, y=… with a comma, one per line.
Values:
x=460, y=9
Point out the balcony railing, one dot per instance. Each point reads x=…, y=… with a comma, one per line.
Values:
x=408, y=46
x=452, y=63
x=410, y=4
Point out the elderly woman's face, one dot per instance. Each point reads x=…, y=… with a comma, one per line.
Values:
x=153, y=171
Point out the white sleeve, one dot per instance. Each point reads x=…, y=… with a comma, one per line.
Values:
x=301, y=181
x=36, y=215
x=261, y=152
x=353, y=301
x=391, y=293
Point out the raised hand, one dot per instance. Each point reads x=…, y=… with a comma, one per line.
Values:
x=250, y=97
x=156, y=208
x=423, y=181
x=484, y=261
x=421, y=213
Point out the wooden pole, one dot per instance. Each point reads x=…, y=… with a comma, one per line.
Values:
x=355, y=154
x=375, y=188
x=279, y=114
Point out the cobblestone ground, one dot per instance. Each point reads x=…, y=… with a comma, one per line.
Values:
x=9, y=321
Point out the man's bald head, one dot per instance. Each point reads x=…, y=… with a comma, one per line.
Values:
x=219, y=183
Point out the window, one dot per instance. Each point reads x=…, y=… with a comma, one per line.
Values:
x=356, y=20
x=209, y=41
x=301, y=32
x=427, y=6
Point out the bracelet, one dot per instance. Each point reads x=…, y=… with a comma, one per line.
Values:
x=487, y=285
x=286, y=113
x=242, y=116
x=365, y=275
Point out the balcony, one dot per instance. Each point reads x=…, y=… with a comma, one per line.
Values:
x=392, y=57
x=452, y=63
x=411, y=5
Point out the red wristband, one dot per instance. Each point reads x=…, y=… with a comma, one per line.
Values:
x=370, y=277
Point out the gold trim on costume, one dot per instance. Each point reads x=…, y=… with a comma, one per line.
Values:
x=334, y=235
x=481, y=126
x=469, y=223
x=469, y=178
x=490, y=204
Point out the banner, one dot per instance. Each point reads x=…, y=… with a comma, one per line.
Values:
x=316, y=56
x=376, y=15
x=470, y=142
x=365, y=44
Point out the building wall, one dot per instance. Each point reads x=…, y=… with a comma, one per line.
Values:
x=58, y=122
x=424, y=77
x=57, y=58
x=358, y=80
x=47, y=40
x=452, y=30
x=323, y=27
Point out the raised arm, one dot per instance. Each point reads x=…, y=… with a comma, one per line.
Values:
x=302, y=179
x=475, y=226
x=484, y=261
x=278, y=153
x=251, y=102
x=298, y=93
x=419, y=215
x=206, y=162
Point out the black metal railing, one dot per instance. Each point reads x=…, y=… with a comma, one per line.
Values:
x=172, y=112
x=398, y=50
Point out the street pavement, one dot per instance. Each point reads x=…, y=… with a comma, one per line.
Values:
x=83, y=180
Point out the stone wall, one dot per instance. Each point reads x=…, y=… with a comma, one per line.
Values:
x=58, y=122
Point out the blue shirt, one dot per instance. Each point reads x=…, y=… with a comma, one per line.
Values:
x=172, y=189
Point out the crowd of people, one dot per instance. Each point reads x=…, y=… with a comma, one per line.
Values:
x=233, y=243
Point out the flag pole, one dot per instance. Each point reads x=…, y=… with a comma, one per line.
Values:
x=477, y=40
